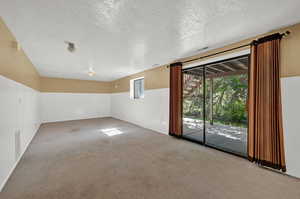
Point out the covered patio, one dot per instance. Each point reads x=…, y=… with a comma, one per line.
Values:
x=224, y=137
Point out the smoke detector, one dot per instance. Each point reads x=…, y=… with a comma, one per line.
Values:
x=70, y=46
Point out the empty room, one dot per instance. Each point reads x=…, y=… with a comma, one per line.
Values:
x=160, y=99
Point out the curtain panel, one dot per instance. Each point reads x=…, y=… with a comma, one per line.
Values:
x=175, y=123
x=265, y=132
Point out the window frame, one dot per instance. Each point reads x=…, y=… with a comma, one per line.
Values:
x=133, y=88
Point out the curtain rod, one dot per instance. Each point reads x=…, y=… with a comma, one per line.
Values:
x=285, y=34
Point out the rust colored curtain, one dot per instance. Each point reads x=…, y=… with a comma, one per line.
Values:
x=265, y=132
x=175, y=123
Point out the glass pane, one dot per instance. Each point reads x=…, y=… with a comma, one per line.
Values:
x=226, y=126
x=136, y=91
x=138, y=88
x=193, y=112
x=142, y=88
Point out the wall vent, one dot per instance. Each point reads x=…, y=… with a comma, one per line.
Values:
x=17, y=144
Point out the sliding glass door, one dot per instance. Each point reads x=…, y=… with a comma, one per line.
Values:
x=214, y=105
x=193, y=105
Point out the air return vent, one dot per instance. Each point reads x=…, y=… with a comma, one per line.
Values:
x=17, y=145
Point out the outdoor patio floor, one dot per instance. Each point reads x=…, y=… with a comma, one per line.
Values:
x=228, y=138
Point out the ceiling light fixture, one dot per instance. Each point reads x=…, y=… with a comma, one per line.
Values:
x=91, y=72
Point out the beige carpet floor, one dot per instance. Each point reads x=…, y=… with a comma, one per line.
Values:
x=76, y=160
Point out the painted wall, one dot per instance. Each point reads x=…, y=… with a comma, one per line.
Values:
x=71, y=99
x=59, y=85
x=19, y=122
x=73, y=106
x=14, y=64
x=19, y=115
x=154, y=79
x=290, y=105
x=150, y=112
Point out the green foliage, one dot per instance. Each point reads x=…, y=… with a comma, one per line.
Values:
x=229, y=100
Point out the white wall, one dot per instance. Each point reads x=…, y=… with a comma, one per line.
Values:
x=150, y=112
x=73, y=106
x=18, y=113
x=291, y=123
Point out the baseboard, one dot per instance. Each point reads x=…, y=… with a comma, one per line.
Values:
x=17, y=162
x=75, y=119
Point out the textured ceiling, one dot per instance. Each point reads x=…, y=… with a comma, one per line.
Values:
x=121, y=37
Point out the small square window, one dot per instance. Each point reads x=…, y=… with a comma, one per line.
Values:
x=137, y=88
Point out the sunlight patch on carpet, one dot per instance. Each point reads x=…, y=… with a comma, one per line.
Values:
x=111, y=132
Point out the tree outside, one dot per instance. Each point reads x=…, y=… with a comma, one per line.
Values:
x=229, y=96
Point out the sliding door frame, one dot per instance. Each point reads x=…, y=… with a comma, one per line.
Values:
x=203, y=66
